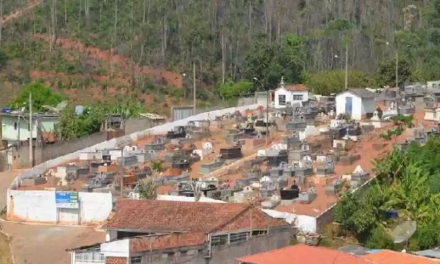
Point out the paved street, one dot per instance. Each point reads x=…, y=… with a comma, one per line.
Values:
x=35, y=244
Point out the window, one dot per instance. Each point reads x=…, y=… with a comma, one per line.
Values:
x=298, y=97
x=90, y=257
x=219, y=240
x=136, y=260
x=259, y=232
x=282, y=99
x=238, y=237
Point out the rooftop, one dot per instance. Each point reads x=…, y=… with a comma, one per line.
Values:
x=392, y=257
x=172, y=216
x=167, y=241
x=305, y=255
x=362, y=92
x=296, y=87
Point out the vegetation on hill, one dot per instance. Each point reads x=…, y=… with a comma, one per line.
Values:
x=407, y=182
x=92, y=49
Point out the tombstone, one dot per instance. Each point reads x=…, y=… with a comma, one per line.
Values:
x=359, y=175
x=276, y=160
x=210, y=167
x=300, y=153
x=333, y=188
x=298, y=123
x=375, y=116
x=433, y=130
x=324, y=169
x=302, y=168
x=207, y=147
x=157, y=144
x=308, y=196
x=420, y=136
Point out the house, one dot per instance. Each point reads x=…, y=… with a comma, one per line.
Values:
x=15, y=127
x=303, y=254
x=289, y=94
x=358, y=103
x=392, y=257
x=153, y=231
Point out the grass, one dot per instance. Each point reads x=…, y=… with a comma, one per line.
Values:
x=5, y=250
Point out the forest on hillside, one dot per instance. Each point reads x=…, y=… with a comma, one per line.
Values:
x=125, y=46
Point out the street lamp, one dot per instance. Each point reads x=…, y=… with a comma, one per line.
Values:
x=194, y=87
x=267, y=111
x=346, y=66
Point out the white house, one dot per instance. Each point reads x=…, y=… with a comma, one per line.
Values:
x=289, y=94
x=358, y=103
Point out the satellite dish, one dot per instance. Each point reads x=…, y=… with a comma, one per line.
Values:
x=403, y=232
x=79, y=109
x=61, y=105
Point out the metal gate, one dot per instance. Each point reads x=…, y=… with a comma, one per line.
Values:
x=68, y=215
x=181, y=112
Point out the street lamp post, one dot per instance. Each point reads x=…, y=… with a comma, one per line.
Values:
x=267, y=111
x=346, y=67
x=194, y=88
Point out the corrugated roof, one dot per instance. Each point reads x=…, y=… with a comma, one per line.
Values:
x=303, y=254
x=393, y=257
x=171, y=216
x=363, y=93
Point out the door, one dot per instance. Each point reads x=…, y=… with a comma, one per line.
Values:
x=68, y=216
x=349, y=105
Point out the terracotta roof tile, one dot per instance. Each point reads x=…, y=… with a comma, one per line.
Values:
x=303, y=254
x=142, y=244
x=392, y=257
x=171, y=216
x=296, y=87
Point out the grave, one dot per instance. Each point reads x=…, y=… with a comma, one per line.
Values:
x=359, y=176
x=270, y=185
x=402, y=146
x=308, y=196
x=146, y=156
x=297, y=123
x=349, y=159
x=290, y=194
x=128, y=161
x=353, y=132
x=177, y=132
x=210, y=167
x=420, y=136
x=231, y=153
x=241, y=183
x=326, y=168
x=303, y=168
x=157, y=144
x=333, y=188
x=174, y=156
x=276, y=160
x=299, y=154
x=433, y=130
x=243, y=196
x=33, y=181
x=293, y=141
x=97, y=155
x=407, y=109
x=182, y=164
x=278, y=171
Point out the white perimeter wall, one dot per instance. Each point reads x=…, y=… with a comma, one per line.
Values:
x=40, y=205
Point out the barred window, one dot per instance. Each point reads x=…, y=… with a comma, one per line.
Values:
x=136, y=260
x=238, y=237
x=259, y=232
x=219, y=240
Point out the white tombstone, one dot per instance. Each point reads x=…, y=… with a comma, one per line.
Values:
x=375, y=116
x=265, y=179
x=307, y=158
x=247, y=189
x=198, y=152
x=358, y=170
x=207, y=146
x=261, y=153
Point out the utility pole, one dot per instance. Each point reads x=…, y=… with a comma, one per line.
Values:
x=31, y=156
x=121, y=172
x=194, y=87
x=267, y=117
x=346, y=67
x=397, y=82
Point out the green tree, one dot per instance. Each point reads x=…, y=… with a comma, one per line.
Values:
x=41, y=96
x=147, y=189
x=386, y=72
x=380, y=239
x=268, y=62
x=332, y=81
x=230, y=90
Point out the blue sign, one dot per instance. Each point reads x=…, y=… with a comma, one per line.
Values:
x=66, y=199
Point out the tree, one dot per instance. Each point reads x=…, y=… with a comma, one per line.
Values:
x=41, y=95
x=332, y=81
x=386, y=72
x=147, y=189
x=268, y=62
x=157, y=166
x=380, y=239
x=230, y=90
